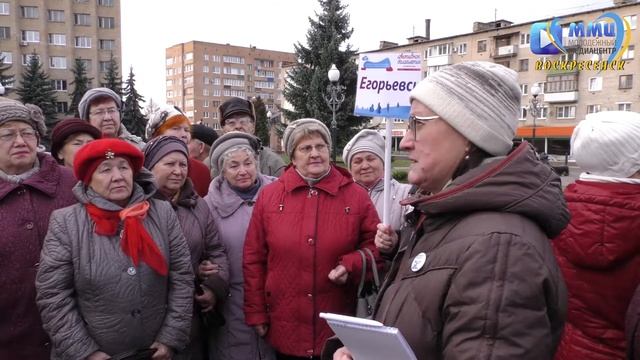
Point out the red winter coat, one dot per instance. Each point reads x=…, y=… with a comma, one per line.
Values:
x=296, y=236
x=599, y=254
x=200, y=176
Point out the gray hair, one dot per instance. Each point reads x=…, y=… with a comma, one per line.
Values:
x=222, y=161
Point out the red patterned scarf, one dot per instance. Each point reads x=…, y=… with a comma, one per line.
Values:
x=136, y=241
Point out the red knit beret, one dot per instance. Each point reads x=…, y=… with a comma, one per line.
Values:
x=67, y=127
x=91, y=155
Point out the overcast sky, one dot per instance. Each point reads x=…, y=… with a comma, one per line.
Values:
x=150, y=26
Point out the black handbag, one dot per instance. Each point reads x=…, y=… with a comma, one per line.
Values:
x=212, y=318
x=367, y=290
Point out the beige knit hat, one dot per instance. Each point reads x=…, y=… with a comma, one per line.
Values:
x=365, y=140
x=296, y=128
x=12, y=110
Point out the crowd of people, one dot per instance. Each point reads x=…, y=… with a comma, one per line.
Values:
x=199, y=245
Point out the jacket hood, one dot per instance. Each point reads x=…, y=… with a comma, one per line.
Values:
x=224, y=200
x=144, y=188
x=518, y=184
x=605, y=218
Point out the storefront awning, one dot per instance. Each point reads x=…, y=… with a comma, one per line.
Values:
x=558, y=132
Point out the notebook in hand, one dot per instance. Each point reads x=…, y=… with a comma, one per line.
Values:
x=369, y=339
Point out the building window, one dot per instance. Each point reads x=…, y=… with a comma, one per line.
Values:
x=624, y=106
x=59, y=85
x=629, y=53
x=525, y=38
x=462, y=49
x=595, y=83
x=29, y=12
x=632, y=20
x=438, y=50
x=107, y=3
x=233, y=59
x=107, y=22
x=625, y=82
x=266, y=73
x=216, y=70
x=506, y=63
x=215, y=58
x=569, y=57
x=233, y=82
x=523, y=113
x=188, y=68
x=206, y=57
x=566, y=112
x=4, y=8
x=188, y=80
x=107, y=44
x=56, y=15
x=188, y=103
x=6, y=57
x=205, y=103
x=592, y=109
x=263, y=63
x=188, y=56
x=524, y=89
x=62, y=107
x=482, y=46
x=83, y=42
x=5, y=32
x=30, y=36
x=232, y=92
x=87, y=64
x=233, y=71
x=523, y=65
x=216, y=92
x=27, y=57
x=205, y=69
x=205, y=92
x=104, y=66
x=57, y=62
x=216, y=81
x=82, y=19
x=544, y=111
x=264, y=85
x=58, y=39
x=561, y=83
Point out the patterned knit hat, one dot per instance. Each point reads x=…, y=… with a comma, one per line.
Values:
x=292, y=133
x=12, y=110
x=608, y=143
x=480, y=99
x=365, y=140
x=163, y=119
x=94, y=94
x=160, y=147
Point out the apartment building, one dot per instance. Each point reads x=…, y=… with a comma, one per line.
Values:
x=566, y=95
x=60, y=31
x=201, y=76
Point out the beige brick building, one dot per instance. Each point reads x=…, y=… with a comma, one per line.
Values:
x=567, y=95
x=60, y=31
x=201, y=75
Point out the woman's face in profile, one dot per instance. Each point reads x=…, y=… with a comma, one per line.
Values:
x=113, y=180
x=435, y=151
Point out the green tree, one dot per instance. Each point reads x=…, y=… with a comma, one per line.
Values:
x=262, y=123
x=35, y=88
x=132, y=117
x=5, y=80
x=305, y=89
x=112, y=78
x=81, y=83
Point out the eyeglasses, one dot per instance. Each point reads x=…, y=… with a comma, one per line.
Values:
x=102, y=113
x=8, y=136
x=308, y=148
x=418, y=121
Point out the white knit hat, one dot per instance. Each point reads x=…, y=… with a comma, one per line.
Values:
x=608, y=144
x=161, y=116
x=365, y=140
x=480, y=99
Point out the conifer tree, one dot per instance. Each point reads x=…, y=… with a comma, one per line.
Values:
x=81, y=83
x=305, y=89
x=112, y=78
x=262, y=123
x=132, y=117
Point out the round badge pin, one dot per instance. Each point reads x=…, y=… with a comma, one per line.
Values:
x=418, y=262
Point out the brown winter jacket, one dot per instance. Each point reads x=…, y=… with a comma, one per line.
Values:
x=489, y=287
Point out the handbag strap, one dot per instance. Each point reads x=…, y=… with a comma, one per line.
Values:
x=374, y=268
x=364, y=272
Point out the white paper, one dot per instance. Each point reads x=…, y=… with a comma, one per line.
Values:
x=369, y=339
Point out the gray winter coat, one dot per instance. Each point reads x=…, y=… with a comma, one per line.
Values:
x=271, y=163
x=90, y=295
x=235, y=340
x=398, y=192
x=125, y=135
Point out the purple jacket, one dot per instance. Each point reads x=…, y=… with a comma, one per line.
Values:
x=24, y=217
x=235, y=340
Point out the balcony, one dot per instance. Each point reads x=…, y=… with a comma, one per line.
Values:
x=561, y=97
x=439, y=60
x=506, y=51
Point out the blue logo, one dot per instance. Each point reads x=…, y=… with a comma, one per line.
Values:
x=546, y=38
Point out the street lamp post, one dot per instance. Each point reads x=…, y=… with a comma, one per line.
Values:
x=535, y=111
x=334, y=97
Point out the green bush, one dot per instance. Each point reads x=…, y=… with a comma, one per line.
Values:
x=400, y=175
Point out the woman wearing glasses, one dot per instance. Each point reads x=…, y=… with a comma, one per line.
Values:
x=475, y=275
x=300, y=254
x=32, y=185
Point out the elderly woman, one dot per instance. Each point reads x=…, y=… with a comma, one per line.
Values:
x=475, y=275
x=115, y=274
x=599, y=252
x=364, y=155
x=167, y=158
x=32, y=185
x=300, y=255
x=170, y=121
x=68, y=136
x=231, y=197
